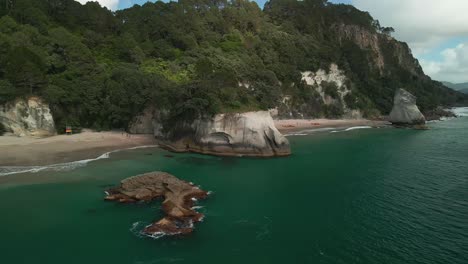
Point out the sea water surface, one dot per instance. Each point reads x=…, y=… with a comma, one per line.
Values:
x=358, y=196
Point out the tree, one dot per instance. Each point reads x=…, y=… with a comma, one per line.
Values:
x=2, y=129
x=387, y=30
x=7, y=91
x=25, y=70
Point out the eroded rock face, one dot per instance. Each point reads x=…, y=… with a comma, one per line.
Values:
x=31, y=117
x=362, y=38
x=179, y=197
x=144, y=123
x=246, y=134
x=377, y=43
x=317, y=82
x=405, y=112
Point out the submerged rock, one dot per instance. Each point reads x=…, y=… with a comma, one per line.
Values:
x=31, y=117
x=405, y=112
x=179, y=197
x=246, y=134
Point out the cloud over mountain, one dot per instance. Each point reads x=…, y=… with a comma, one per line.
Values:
x=426, y=25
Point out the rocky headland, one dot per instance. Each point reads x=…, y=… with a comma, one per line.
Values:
x=179, y=197
x=238, y=134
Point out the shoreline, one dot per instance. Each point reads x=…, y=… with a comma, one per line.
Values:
x=29, y=152
x=286, y=126
x=62, y=149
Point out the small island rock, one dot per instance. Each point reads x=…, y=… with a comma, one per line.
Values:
x=179, y=197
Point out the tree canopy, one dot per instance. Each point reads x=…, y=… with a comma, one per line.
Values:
x=99, y=69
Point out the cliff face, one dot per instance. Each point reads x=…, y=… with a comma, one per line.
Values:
x=364, y=39
x=385, y=50
x=144, y=123
x=242, y=134
x=31, y=117
x=330, y=87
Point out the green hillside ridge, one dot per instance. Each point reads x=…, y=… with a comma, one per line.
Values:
x=461, y=87
x=193, y=58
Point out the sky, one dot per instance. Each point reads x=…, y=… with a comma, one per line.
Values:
x=436, y=30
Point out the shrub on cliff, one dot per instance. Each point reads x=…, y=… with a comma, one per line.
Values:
x=331, y=89
x=7, y=91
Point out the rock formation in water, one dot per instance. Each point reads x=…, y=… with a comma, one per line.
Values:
x=179, y=197
x=405, y=112
x=30, y=117
x=246, y=134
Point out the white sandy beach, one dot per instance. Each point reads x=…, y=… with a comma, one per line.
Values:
x=294, y=125
x=29, y=151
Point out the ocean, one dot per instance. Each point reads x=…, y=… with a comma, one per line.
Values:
x=344, y=196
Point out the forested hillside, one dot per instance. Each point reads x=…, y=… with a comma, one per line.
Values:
x=461, y=87
x=191, y=58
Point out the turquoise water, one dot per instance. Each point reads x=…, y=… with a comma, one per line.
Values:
x=362, y=196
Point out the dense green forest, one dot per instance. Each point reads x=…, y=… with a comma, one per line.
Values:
x=98, y=68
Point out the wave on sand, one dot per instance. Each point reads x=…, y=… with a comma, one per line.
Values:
x=10, y=170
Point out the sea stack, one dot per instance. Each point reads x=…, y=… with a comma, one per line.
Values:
x=405, y=112
x=179, y=197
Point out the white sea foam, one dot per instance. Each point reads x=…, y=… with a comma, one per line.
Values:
x=351, y=129
x=460, y=111
x=309, y=131
x=156, y=235
x=10, y=170
x=295, y=134
x=357, y=127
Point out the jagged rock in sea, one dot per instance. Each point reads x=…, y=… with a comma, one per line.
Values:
x=238, y=134
x=438, y=114
x=405, y=112
x=179, y=197
x=27, y=117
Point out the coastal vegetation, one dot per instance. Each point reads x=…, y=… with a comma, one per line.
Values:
x=2, y=129
x=192, y=58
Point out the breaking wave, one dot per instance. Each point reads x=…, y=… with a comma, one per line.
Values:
x=10, y=170
x=309, y=131
x=460, y=111
x=351, y=129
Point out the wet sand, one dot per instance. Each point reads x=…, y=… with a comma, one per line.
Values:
x=28, y=151
x=296, y=125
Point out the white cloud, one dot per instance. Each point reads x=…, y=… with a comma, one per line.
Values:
x=453, y=67
x=111, y=4
x=424, y=24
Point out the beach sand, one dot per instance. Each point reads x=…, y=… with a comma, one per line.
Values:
x=296, y=125
x=28, y=151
